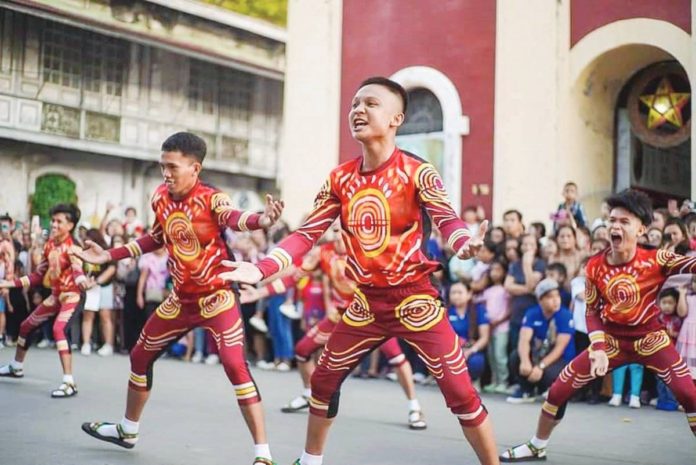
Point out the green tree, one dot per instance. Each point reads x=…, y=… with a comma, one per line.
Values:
x=50, y=190
x=273, y=11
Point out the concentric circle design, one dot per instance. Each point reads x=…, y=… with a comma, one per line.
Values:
x=183, y=238
x=623, y=293
x=652, y=343
x=216, y=303
x=369, y=221
x=170, y=308
x=419, y=312
x=358, y=312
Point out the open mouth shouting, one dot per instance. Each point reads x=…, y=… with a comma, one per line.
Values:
x=358, y=124
x=616, y=240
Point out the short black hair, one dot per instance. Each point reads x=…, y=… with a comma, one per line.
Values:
x=6, y=217
x=669, y=292
x=557, y=266
x=636, y=202
x=513, y=212
x=541, y=227
x=68, y=209
x=393, y=86
x=187, y=143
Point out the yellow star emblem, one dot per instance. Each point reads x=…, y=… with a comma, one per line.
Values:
x=665, y=105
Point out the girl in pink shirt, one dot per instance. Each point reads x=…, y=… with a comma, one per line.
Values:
x=496, y=300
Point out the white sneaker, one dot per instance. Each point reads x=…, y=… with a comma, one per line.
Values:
x=258, y=324
x=290, y=311
x=283, y=366
x=197, y=357
x=43, y=344
x=264, y=365
x=2, y=345
x=212, y=359
x=391, y=376
x=418, y=377
x=634, y=402
x=85, y=350
x=106, y=350
x=615, y=400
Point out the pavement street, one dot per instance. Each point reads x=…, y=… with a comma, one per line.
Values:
x=192, y=419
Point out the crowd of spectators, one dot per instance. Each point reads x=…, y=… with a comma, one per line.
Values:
x=518, y=306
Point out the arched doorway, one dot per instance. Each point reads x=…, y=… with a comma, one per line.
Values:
x=51, y=189
x=653, y=133
x=422, y=132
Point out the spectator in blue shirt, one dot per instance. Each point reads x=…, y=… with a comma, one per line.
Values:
x=470, y=322
x=544, y=347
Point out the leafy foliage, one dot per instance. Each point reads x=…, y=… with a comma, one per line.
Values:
x=274, y=11
x=51, y=189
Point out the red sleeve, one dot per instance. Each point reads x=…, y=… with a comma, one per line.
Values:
x=327, y=207
x=595, y=326
x=672, y=263
x=36, y=277
x=226, y=216
x=144, y=244
x=433, y=196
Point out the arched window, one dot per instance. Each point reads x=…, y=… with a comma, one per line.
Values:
x=653, y=133
x=422, y=132
x=51, y=189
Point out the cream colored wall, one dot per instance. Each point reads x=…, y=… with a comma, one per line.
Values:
x=554, y=113
x=309, y=146
x=526, y=167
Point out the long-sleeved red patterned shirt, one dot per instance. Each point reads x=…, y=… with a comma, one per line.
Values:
x=62, y=269
x=191, y=230
x=384, y=218
x=622, y=299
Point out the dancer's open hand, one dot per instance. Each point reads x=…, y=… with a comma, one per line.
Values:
x=241, y=272
x=474, y=244
x=273, y=210
x=248, y=294
x=93, y=253
x=599, y=363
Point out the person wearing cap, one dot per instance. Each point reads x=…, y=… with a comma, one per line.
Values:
x=544, y=347
x=622, y=317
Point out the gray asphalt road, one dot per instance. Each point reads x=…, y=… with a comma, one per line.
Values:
x=192, y=418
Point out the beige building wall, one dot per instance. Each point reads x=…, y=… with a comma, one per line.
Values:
x=555, y=106
x=309, y=145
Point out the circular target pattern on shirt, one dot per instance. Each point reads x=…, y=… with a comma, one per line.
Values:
x=216, y=303
x=183, y=238
x=419, y=312
x=623, y=293
x=369, y=221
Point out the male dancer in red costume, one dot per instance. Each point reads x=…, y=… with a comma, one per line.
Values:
x=64, y=273
x=189, y=219
x=385, y=200
x=338, y=293
x=622, y=286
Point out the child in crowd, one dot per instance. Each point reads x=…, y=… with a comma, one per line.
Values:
x=672, y=303
x=470, y=322
x=686, y=342
x=557, y=271
x=497, y=303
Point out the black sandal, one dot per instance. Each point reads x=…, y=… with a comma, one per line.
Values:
x=121, y=440
x=538, y=454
